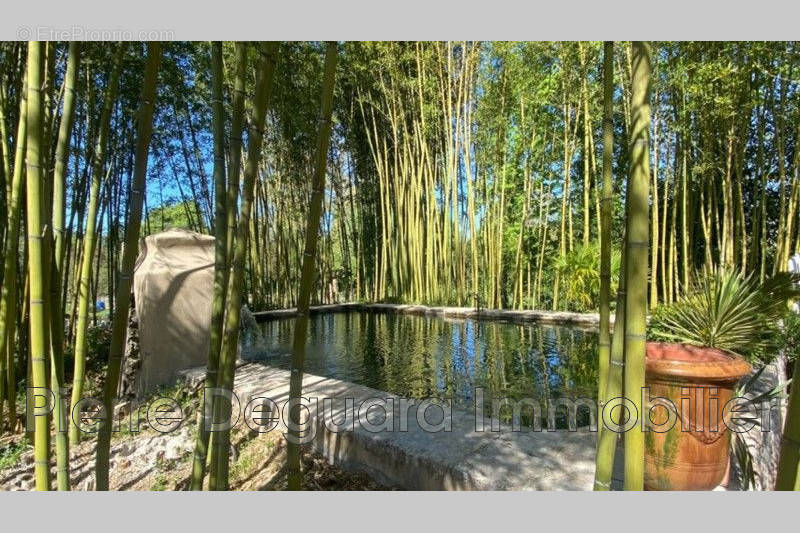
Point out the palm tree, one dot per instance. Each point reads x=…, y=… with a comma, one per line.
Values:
x=636, y=247
x=119, y=326
x=309, y=261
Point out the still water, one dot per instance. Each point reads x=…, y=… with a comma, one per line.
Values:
x=423, y=357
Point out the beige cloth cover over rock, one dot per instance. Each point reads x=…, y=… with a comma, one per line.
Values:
x=172, y=286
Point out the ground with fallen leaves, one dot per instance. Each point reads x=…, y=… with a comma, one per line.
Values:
x=148, y=460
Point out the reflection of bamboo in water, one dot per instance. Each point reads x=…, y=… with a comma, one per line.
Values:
x=488, y=356
x=420, y=356
x=413, y=358
x=480, y=360
x=448, y=374
x=402, y=370
x=559, y=344
x=428, y=359
x=380, y=335
x=567, y=369
x=499, y=359
x=545, y=369
x=350, y=335
x=522, y=349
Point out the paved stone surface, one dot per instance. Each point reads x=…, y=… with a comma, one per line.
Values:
x=408, y=456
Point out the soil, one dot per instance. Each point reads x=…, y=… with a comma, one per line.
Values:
x=149, y=460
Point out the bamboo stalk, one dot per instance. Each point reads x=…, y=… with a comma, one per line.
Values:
x=237, y=120
x=38, y=319
x=220, y=263
x=218, y=479
x=586, y=146
x=607, y=437
x=307, y=277
x=119, y=326
x=89, y=240
x=789, y=460
x=604, y=342
x=57, y=266
x=654, y=218
x=9, y=289
x=636, y=260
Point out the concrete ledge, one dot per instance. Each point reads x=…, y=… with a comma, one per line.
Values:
x=290, y=312
x=545, y=317
x=459, y=459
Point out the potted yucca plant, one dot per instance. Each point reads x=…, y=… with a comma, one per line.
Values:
x=702, y=346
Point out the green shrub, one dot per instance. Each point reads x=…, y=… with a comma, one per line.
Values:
x=789, y=337
x=11, y=454
x=725, y=309
x=579, y=271
x=98, y=342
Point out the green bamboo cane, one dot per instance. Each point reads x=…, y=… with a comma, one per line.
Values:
x=5, y=199
x=56, y=316
x=8, y=291
x=220, y=252
x=3, y=385
x=605, y=458
x=237, y=121
x=607, y=439
x=38, y=320
x=637, y=259
x=309, y=260
x=234, y=168
x=218, y=479
x=62, y=151
x=604, y=345
x=89, y=241
x=789, y=461
x=119, y=326
x=5, y=146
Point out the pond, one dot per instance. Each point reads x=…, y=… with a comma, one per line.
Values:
x=422, y=356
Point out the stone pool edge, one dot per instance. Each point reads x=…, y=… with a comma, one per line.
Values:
x=543, y=317
x=461, y=459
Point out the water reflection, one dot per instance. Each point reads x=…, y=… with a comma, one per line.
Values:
x=420, y=357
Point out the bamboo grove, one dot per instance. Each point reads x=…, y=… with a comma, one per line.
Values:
x=470, y=174
x=456, y=173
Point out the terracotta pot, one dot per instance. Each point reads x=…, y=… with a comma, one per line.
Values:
x=694, y=454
